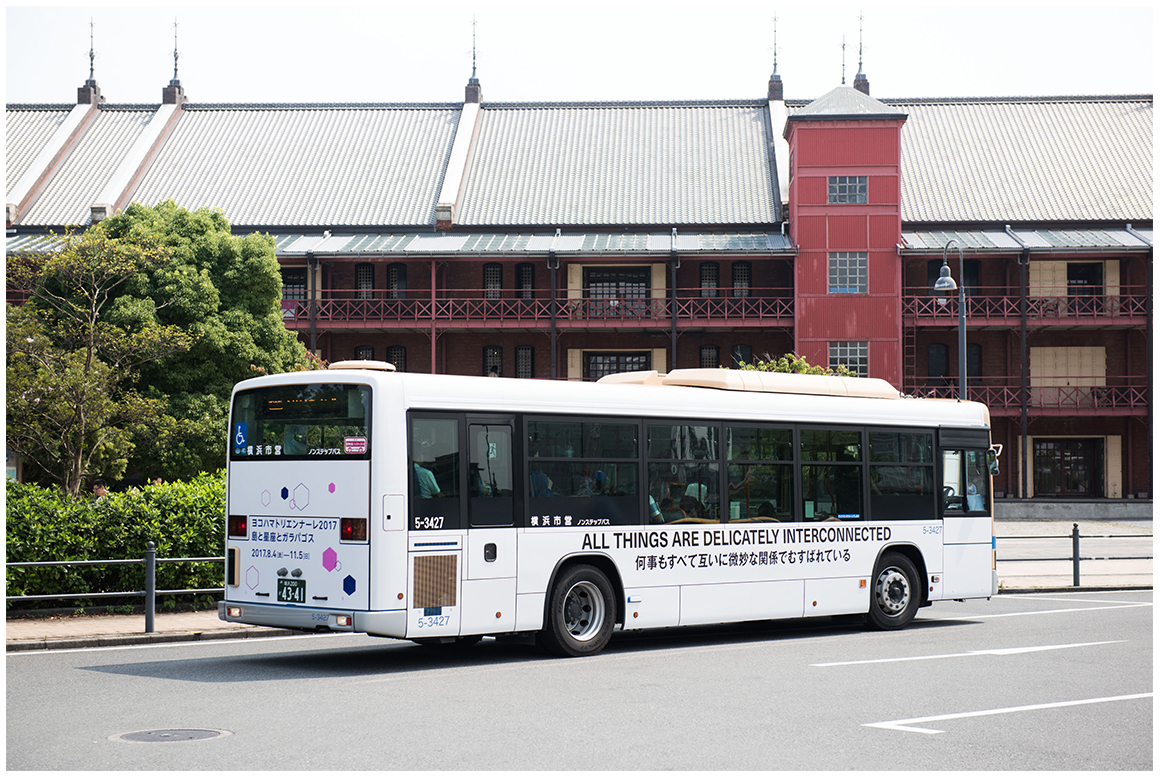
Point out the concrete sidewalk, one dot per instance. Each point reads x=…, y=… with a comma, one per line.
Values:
x=77, y=631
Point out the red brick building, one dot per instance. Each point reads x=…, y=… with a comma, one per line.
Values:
x=569, y=240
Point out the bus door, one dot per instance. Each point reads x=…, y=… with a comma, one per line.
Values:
x=489, y=586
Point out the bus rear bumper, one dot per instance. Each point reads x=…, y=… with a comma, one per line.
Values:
x=389, y=623
x=286, y=616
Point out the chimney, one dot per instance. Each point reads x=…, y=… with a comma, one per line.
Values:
x=89, y=94
x=776, y=90
x=473, y=93
x=861, y=83
x=174, y=94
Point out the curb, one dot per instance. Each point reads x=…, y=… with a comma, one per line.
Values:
x=121, y=640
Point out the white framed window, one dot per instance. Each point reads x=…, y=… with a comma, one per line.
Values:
x=397, y=355
x=853, y=354
x=710, y=273
x=364, y=280
x=525, y=361
x=742, y=276
x=492, y=361
x=847, y=189
x=848, y=273
x=492, y=281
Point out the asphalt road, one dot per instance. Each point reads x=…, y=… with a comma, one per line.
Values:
x=1046, y=681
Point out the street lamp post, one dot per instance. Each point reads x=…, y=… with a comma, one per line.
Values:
x=943, y=286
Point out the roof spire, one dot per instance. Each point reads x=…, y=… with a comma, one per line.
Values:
x=175, y=81
x=474, y=80
x=90, y=93
x=776, y=90
x=174, y=94
x=473, y=93
x=843, y=60
x=861, y=83
x=92, y=56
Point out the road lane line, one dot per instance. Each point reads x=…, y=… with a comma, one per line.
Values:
x=1035, y=612
x=1081, y=601
x=905, y=725
x=969, y=654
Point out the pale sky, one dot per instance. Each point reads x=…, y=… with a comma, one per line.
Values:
x=543, y=51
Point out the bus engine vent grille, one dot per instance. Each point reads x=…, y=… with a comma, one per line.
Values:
x=435, y=579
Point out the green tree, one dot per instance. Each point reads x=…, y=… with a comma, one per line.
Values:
x=71, y=363
x=224, y=291
x=796, y=364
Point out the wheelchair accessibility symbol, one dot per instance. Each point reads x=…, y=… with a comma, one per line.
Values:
x=240, y=435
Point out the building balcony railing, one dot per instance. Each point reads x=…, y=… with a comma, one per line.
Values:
x=1000, y=304
x=378, y=307
x=1104, y=395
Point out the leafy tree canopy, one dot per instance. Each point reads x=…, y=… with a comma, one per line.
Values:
x=133, y=337
x=225, y=292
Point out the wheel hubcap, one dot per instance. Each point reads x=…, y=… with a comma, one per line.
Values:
x=892, y=591
x=583, y=611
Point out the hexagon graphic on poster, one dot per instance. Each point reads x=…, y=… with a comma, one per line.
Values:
x=252, y=578
x=301, y=497
x=266, y=498
x=329, y=559
x=285, y=492
x=332, y=488
x=348, y=585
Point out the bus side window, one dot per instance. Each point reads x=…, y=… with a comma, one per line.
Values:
x=435, y=457
x=965, y=481
x=952, y=485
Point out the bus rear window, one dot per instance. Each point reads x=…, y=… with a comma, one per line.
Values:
x=308, y=421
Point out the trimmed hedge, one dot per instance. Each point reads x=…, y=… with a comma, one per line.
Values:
x=183, y=519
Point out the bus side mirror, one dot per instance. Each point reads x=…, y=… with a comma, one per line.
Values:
x=993, y=461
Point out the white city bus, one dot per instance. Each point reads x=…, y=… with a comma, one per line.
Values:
x=443, y=508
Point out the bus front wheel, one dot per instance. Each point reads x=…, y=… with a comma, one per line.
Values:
x=581, y=612
x=895, y=597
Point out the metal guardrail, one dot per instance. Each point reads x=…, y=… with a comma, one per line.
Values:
x=150, y=593
x=1075, y=556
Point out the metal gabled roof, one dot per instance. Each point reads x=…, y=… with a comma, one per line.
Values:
x=1024, y=159
x=325, y=165
x=621, y=164
x=26, y=129
x=68, y=197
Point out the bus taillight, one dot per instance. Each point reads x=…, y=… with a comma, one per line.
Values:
x=353, y=529
x=237, y=525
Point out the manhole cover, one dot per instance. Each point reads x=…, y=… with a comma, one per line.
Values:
x=171, y=735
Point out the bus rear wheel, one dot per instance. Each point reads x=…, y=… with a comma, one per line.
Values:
x=581, y=612
x=895, y=596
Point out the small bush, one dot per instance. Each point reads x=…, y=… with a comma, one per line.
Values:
x=183, y=519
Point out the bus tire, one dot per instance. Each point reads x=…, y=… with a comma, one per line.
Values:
x=581, y=613
x=895, y=595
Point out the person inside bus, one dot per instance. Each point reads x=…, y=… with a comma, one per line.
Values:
x=428, y=487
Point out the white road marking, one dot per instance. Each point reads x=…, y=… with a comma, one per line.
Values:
x=1039, y=612
x=905, y=725
x=969, y=654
